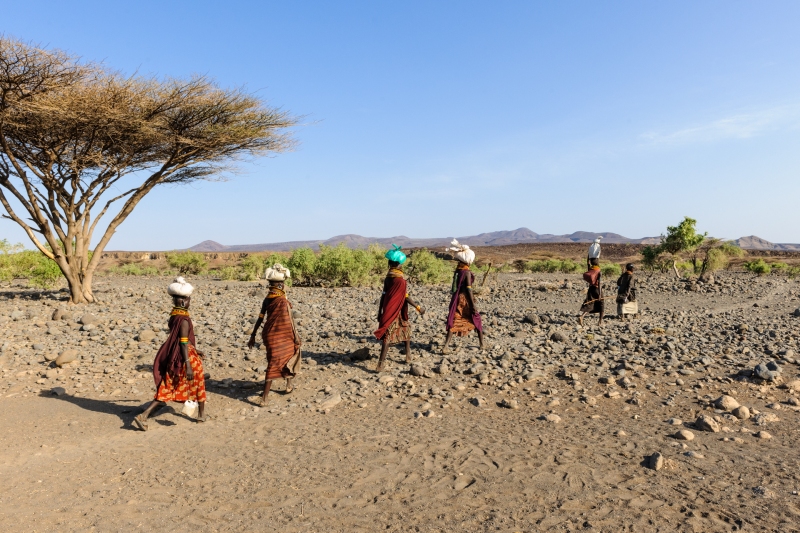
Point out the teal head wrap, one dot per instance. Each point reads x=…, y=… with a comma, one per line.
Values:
x=395, y=255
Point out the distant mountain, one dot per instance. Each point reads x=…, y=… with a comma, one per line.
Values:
x=495, y=238
x=757, y=243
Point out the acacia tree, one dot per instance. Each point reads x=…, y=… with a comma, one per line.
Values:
x=682, y=239
x=77, y=138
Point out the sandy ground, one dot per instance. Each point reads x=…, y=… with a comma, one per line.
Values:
x=411, y=453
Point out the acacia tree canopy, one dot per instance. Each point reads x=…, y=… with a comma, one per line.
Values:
x=70, y=131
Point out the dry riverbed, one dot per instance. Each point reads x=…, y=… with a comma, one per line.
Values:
x=663, y=423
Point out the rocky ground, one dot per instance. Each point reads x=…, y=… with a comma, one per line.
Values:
x=684, y=419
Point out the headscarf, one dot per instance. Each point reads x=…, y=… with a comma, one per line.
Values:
x=462, y=252
x=180, y=288
x=629, y=267
x=277, y=272
x=395, y=255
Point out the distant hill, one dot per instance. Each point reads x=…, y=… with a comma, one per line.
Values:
x=495, y=238
x=757, y=243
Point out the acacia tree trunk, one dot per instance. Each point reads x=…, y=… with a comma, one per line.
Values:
x=675, y=268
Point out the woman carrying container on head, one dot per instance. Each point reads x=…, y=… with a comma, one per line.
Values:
x=463, y=316
x=393, y=325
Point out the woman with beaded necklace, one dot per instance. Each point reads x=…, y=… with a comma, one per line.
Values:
x=177, y=369
x=279, y=336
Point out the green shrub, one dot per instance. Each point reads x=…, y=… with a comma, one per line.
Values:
x=228, y=273
x=565, y=266
x=717, y=259
x=37, y=268
x=302, y=264
x=610, y=269
x=133, y=269
x=780, y=267
x=731, y=250
x=759, y=266
x=187, y=262
x=427, y=269
x=336, y=265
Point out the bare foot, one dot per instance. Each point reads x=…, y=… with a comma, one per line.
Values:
x=140, y=422
x=379, y=368
x=201, y=418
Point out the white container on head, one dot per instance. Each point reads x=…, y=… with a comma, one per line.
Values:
x=594, y=249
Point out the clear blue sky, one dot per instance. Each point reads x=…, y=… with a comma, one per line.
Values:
x=434, y=119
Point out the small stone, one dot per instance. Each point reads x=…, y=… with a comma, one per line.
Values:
x=706, y=423
x=552, y=417
x=621, y=433
x=656, y=461
x=65, y=357
x=684, y=434
x=477, y=401
x=509, y=404
x=88, y=319
x=147, y=335
x=330, y=402
x=558, y=336
x=674, y=421
x=763, y=435
x=385, y=380
x=679, y=382
x=58, y=391
x=694, y=455
x=429, y=414
x=726, y=403
x=417, y=370
x=50, y=356
x=742, y=412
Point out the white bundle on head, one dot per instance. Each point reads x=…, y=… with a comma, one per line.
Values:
x=594, y=249
x=179, y=287
x=462, y=252
x=277, y=272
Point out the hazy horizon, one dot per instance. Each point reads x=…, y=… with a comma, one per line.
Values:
x=459, y=118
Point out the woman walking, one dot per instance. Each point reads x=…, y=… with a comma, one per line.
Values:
x=177, y=369
x=463, y=316
x=279, y=335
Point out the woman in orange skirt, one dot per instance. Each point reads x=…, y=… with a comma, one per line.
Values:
x=178, y=368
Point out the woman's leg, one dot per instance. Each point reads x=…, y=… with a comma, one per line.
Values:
x=289, y=386
x=408, y=351
x=384, y=349
x=267, y=385
x=201, y=411
x=480, y=338
x=447, y=342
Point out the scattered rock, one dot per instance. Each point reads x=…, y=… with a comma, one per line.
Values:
x=551, y=417
x=329, y=403
x=558, y=336
x=509, y=404
x=763, y=435
x=58, y=391
x=742, y=412
x=417, y=370
x=684, y=434
x=726, y=403
x=706, y=423
x=66, y=357
x=674, y=421
x=477, y=401
x=768, y=372
x=656, y=461
x=147, y=335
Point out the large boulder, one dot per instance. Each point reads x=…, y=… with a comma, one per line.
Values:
x=706, y=423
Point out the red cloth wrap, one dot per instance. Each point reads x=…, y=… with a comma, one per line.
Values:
x=393, y=304
x=169, y=359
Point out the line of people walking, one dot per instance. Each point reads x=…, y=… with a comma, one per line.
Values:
x=178, y=368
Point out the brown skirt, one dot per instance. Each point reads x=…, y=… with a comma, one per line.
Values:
x=593, y=304
x=399, y=331
x=462, y=325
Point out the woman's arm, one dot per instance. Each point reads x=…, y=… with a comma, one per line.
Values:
x=415, y=305
x=252, y=341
